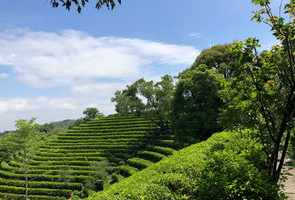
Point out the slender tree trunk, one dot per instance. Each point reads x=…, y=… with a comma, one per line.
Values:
x=282, y=159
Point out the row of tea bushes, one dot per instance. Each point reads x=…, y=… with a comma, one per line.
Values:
x=72, y=160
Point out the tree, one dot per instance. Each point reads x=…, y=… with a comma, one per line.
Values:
x=91, y=113
x=218, y=57
x=26, y=136
x=80, y=4
x=153, y=100
x=280, y=124
x=128, y=100
x=263, y=96
x=196, y=103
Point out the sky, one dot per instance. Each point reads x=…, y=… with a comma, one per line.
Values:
x=55, y=63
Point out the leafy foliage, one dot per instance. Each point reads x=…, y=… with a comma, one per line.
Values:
x=262, y=93
x=91, y=113
x=80, y=4
x=219, y=57
x=196, y=103
x=188, y=174
x=153, y=100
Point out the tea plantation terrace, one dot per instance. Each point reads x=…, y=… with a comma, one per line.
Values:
x=70, y=160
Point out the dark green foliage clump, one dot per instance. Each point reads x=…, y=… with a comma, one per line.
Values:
x=150, y=99
x=219, y=57
x=226, y=166
x=196, y=104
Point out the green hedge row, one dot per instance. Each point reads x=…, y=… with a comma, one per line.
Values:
x=162, y=150
x=223, y=167
x=34, y=191
x=151, y=156
x=40, y=177
x=87, y=147
x=104, y=135
x=93, y=141
x=58, y=172
x=116, y=119
x=57, y=167
x=86, y=154
x=115, y=123
x=36, y=184
x=134, y=135
x=166, y=143
x=114, y=126
x=126, y=170
x=68, y=158
x=62, y=162
x=111, y=129
x=66, y=151
x=139, y=163
x=11, y=196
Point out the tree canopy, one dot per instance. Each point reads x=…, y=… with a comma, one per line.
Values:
x=91, y=113
x=149, y=98
x=196, y=103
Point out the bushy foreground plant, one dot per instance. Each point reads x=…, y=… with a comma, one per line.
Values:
x=226, y=166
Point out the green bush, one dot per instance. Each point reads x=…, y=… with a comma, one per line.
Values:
x=220, y=168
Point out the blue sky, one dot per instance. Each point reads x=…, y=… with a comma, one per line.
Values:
x=54, y=63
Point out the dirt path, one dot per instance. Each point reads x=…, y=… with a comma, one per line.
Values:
x=290, y=184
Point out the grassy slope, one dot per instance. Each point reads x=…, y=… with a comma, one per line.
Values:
x=176, y=177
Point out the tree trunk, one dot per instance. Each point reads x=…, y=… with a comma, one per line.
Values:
x=282, y=159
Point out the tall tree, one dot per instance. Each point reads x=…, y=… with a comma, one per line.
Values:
x=218, y=57
x=280, y=122
x=263, y=96
x=196, y=103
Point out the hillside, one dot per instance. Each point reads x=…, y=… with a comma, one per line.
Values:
x=220, y=167
x=84, y=157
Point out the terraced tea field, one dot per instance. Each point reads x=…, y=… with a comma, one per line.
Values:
x=73, y=159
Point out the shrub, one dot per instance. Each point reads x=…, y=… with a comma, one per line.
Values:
x=219, y=168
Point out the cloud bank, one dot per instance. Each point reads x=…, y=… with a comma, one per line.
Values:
x=89, y=69
x=44, y=59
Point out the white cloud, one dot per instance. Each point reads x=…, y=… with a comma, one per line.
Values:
x=3, y=76
x=86, y=68
x=69, y=57
x=195, y=35
x=98, y=89
x=33, y=104
x=47, y=109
